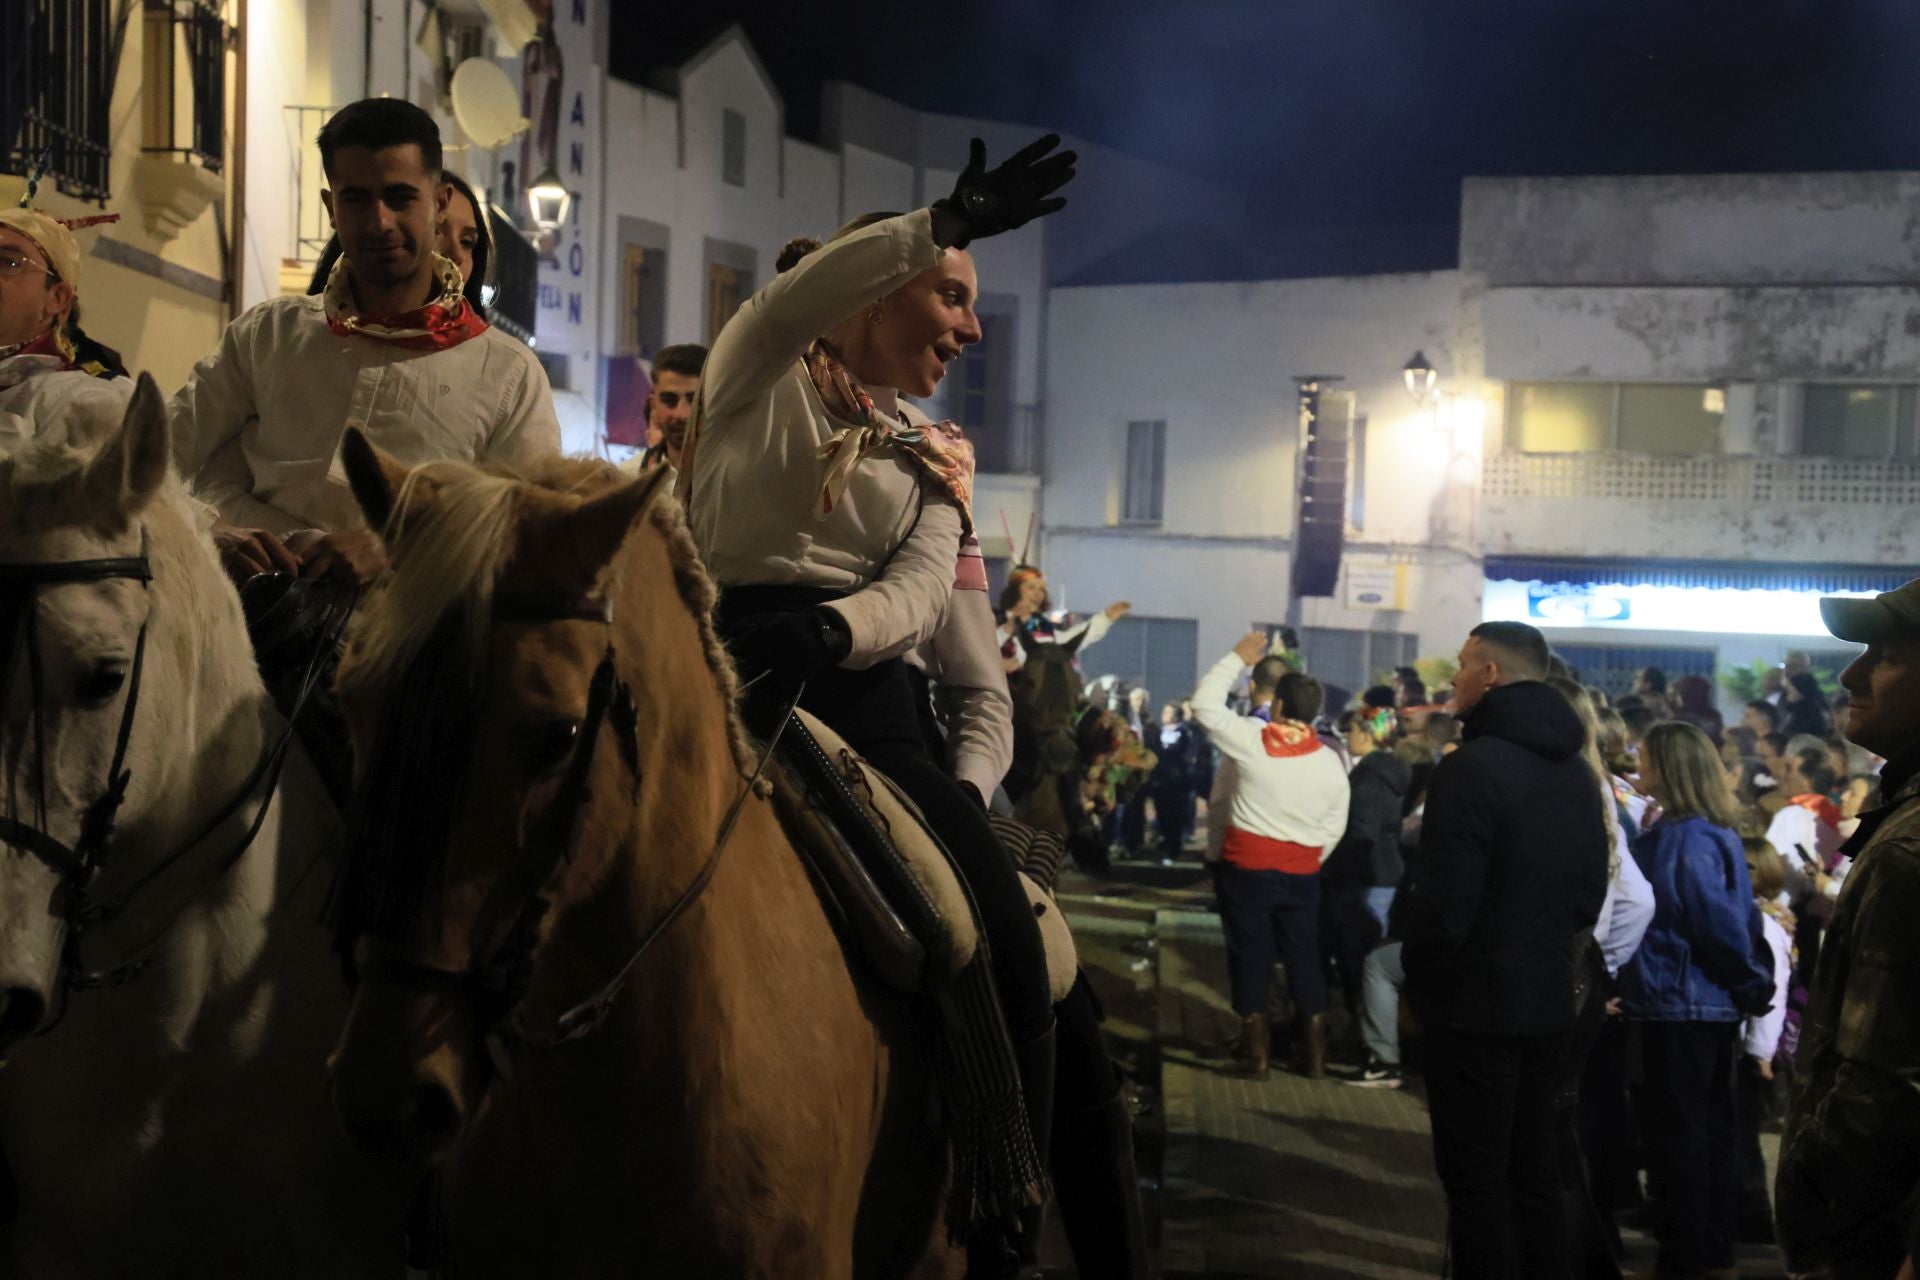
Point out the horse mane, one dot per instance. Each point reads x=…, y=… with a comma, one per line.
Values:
x=450, y=554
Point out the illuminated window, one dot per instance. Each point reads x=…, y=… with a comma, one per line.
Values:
x=1840, y=421
x=1607, y=417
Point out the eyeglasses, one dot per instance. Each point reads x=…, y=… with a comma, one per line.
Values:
x=14, y=263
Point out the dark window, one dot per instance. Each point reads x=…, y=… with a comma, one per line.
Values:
x=1161, y=653
x=985, y=375
x=1611, y=668
x=1146, y=472
x=733, y=148
x=516, y=278
x=727, y=288
x=56, y=89
x=559, y=369
x=1351, y=661
x=1839, y=421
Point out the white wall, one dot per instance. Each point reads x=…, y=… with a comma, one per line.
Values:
x=1217, y=362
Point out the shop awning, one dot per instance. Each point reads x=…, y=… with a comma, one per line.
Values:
x=1722, y=574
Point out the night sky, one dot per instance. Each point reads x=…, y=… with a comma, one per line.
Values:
x=1364, y=116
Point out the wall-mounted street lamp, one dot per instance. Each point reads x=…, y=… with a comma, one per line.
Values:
x=1421, y=377
x=548, y=199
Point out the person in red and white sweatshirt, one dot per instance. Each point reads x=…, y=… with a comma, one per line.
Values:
x=1286, y=812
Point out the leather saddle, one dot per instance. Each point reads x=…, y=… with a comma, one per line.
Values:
x=884, y=875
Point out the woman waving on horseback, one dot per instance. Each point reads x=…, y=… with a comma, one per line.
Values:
x=833, y=520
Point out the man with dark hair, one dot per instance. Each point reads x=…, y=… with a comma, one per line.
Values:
x=1849, y=1177
x=1761, y=716
x=1286, y=811
x=1512, y=872
x=676, y=381
x=390, y=346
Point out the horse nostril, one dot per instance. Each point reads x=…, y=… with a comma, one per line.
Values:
x=22, y=1010
x=436, y=1119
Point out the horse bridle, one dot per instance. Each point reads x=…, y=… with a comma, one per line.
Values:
x=496, y=984
x=79, y=864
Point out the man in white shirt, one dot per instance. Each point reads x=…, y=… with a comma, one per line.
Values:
x=43, y=379
x=390, y=347
x=1286, y=812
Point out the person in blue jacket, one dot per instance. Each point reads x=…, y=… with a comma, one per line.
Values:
x=1703, y=966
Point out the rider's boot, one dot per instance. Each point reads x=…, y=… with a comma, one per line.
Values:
x=1097, y=1188
x=1036, y=1061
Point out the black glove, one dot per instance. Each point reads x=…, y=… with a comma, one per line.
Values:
x=986, y=203
x=791, y=647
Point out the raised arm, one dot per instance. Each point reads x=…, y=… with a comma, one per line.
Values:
x=1237, y=737
x=777, y=324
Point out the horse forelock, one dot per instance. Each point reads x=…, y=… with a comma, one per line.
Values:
x=456, y=531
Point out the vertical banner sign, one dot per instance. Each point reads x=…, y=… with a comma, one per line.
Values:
x=569, y=315
x=1319, y=530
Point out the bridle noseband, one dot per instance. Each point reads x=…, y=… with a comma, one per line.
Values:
x=79, y=864
x=496, y=984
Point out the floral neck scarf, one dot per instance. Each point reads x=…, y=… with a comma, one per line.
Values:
x=941, y=450
x=446, y=321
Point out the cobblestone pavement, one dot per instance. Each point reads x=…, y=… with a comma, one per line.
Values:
x=1286, y=1177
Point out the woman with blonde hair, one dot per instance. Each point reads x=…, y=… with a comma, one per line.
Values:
x=834, y=521
x=1703, y=967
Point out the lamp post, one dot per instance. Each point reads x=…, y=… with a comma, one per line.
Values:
x=1421, y=377
x=548, y=200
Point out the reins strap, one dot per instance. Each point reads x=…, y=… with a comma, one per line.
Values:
x=585, y=1018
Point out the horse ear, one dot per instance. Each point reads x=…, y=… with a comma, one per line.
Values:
x=127, y=471
x=1073, y=646
x=373, y=474
x=594, y=532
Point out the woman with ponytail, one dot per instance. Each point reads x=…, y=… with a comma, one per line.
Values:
x=834, y=520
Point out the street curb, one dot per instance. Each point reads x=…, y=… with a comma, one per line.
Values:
x=1182, y=1245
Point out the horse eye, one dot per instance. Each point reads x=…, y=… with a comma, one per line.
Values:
x=555, y=744
x=102, y=682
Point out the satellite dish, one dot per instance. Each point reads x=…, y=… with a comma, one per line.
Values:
x=486, y=104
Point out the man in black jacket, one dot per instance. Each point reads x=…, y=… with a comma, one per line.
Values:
x=1513, y=870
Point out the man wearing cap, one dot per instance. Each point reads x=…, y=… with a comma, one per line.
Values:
x=1849, y=1177
x=390, y=346
x=46, y=381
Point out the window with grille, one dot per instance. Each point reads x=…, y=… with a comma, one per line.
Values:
x=1608, y=417
x=1161, y=653
x=1611, y=668
x=197, y=125
x=56, y=89
x=1146, y=472
x=733, y=148
x=1843, y=421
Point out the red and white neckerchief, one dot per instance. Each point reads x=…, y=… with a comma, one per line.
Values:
x=1285, y=739
x=940, y=450
x=446, y=321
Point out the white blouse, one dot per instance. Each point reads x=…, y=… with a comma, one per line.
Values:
x=756, y=473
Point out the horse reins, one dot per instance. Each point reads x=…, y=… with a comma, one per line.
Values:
x=79, y=864
x=499, y=982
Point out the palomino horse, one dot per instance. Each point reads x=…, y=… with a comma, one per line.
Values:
x=174, y=1124
x=554, y=799
x=1068, y=758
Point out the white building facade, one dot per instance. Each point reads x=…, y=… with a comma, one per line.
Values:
x=1670, y=414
